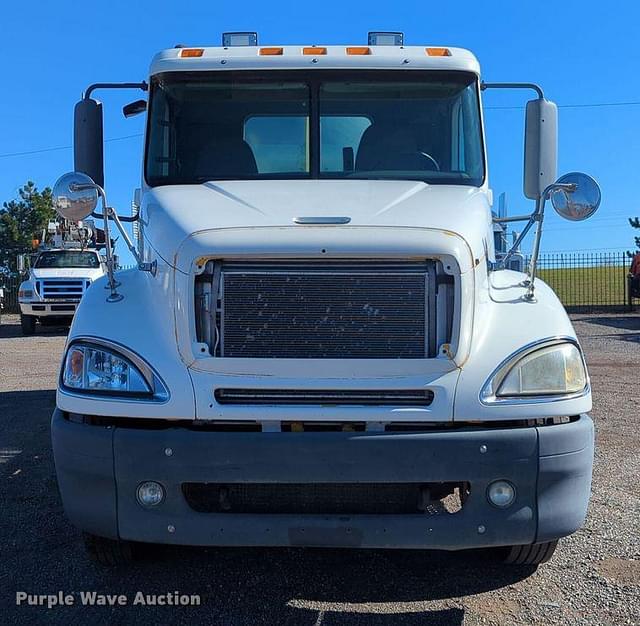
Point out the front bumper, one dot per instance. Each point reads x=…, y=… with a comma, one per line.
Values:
x=49, y=309
x=99, y=469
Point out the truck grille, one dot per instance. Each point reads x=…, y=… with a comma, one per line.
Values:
x=62, y=288
x=305, y=309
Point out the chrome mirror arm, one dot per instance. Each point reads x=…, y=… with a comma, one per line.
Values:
x=110, y=212
x=538, y=216
x=516, y=244
x=113, y=284
x=142, y=266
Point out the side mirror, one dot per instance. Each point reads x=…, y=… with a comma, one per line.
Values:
x=88, y=155
x=579, y=203
x=134, y=108
x=540, y=147
x=21, y=263
x=75, y=196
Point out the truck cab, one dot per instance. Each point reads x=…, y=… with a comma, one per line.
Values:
x=57, y=280
x=319, y=346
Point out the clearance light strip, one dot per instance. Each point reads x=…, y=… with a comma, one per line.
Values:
x=191, y=53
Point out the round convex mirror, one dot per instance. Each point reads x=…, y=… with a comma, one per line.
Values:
x=72, y=203
x=579, y=204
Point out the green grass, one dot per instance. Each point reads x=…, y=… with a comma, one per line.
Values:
x=588, y=286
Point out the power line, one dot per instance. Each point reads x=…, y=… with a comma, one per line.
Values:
x=585, y=250
x=56, y=148
x=578, y=105
x=588, y=227
x=614, y=221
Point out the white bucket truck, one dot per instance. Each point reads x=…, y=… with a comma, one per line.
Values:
x=59, y=275
x=318, y=347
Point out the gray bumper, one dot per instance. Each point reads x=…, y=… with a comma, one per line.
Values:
x=99, y=469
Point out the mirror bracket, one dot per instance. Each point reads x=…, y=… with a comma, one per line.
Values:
x=144, y=86
x=532, y=86
x=75, y=197
x=152, y=267
x=536, y=217
x=128, y=220
x=113, y=285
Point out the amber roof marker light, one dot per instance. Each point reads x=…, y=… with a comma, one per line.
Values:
x=358, y=50
x=191, y=52
x=438, y=52
x=271, y=52
x=313, y=50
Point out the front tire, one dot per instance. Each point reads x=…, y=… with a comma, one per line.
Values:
x=27, y=324
x=533, y=554
x=108, y=551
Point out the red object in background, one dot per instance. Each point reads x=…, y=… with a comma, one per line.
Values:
x=635, y=265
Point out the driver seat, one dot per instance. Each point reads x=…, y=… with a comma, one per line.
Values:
x=225, y=155
x=388, y=147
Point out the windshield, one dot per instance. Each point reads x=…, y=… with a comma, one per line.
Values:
x=67, y=259
x=258, y=125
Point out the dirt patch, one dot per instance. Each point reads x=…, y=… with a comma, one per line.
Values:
x=623, y=571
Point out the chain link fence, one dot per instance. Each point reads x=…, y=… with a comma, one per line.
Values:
x=583, y=281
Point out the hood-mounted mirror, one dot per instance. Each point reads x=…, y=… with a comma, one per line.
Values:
x=75, y=196
x=581, y=202
x=574, y=196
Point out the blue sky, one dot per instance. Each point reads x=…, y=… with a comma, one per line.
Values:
x=581, y=52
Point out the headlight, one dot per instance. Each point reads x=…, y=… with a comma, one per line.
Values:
x=549, y=370
x=97, y=369
x=25, y=293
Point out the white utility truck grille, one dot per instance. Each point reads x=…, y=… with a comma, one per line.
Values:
x=310, y=309
x=62, y=288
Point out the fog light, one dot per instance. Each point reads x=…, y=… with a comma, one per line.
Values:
x=150, y=493
x=501, y=493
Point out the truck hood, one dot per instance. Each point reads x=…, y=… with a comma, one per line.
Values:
x=67, y=272
x=173, y=214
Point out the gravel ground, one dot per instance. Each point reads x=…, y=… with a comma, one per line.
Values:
x=594, y=577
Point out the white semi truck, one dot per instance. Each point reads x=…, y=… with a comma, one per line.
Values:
x=60, y=273
x=318, y=346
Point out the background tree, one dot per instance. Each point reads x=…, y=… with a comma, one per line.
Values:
x=635, y=222
x=21, y=221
